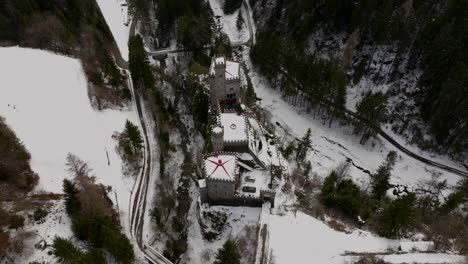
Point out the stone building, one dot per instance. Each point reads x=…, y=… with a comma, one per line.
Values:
x=224, y=83
x=221, y=176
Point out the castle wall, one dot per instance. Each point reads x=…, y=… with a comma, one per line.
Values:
x=232, y=87
x=220, y=190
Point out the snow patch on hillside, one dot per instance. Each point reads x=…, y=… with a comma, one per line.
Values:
x=337, y=144
x=229, y=22
x=116, y=17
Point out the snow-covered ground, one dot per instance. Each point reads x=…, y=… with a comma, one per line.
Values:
x=229, y=22
x=299, y=238
x=116, y=17
x=201, y=251
x=44, y=100
x=56, y=223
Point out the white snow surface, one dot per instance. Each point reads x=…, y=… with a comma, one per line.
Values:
x=228, y=22
x=116, y=17
x=44, y=100
x=234, y=127
x=232, y=70
x=301, y=239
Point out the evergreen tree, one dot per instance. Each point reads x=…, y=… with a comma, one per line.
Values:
x=65, y=252
x=304, y=145
x=93, y=256
x=230, y=6
x=380, y=181
x=138, y=64
x=342, y=193
x=228, y=254
x=397, y=217
x=250, y=96
x=134, y=136
x=240, y=20
x=373, y=108
x=72, y=204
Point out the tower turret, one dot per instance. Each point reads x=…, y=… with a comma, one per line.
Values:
x=217, y=138
x=217, y=80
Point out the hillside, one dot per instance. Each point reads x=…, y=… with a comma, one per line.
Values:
x=73, y=28
x=413, y=52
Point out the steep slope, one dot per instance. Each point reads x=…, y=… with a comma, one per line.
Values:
x=414, y=52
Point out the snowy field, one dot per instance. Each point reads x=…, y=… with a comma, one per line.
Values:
x=116, y=16
x=201, y=251
x=332, y=146
x=44, y=100
x=56, y=223
x=229, y=22
x=302, y=239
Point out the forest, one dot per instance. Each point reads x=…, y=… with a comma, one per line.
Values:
x=429, y=38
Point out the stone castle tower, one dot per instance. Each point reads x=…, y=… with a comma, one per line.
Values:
x=224, y=81
x=217, y=138
x=217, y=80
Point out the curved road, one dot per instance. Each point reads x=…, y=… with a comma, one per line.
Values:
x=380, y=132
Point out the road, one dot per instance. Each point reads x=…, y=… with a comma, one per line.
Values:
x=150, y=168
x=380, y=132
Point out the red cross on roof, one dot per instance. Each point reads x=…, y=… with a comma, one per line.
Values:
x=218, y=164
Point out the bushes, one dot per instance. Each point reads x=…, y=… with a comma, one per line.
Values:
x=138, y=64
x=228, y=254
x=14, y=160
x=39, y=214
x=16, y=221
x=342, y=193
x=397, y=217
x=231, y=5
x=65, y=252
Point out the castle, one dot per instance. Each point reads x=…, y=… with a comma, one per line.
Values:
x=224, y=81
x=229, y=179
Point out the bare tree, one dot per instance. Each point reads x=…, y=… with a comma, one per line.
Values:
x=350, y=47
x=407, y=7
x=77, y=167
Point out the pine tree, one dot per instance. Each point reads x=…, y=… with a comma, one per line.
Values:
x=373, y=108
x=134, y=136
x=72, y=204
x=250, y=96
x=240, y=20
x=304, y=146
x=397, y=217
x=380, y=181
x=228, y=254
x=66, y=252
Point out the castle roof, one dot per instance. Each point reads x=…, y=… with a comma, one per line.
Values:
x=221, y=167
x=232, y=67
x=234, y=127
x=217, y=130
x=232, y=70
